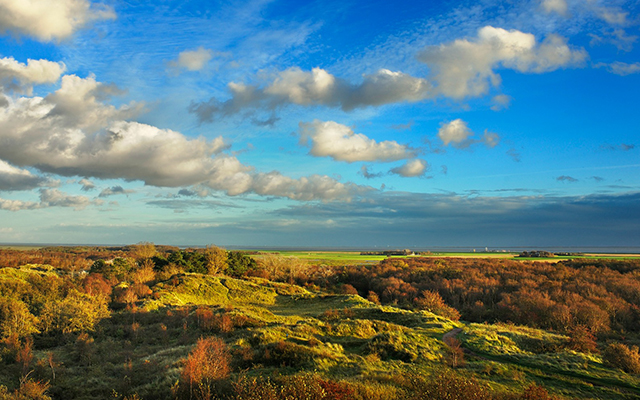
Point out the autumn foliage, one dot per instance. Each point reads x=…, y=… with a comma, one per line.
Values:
x=207, y=364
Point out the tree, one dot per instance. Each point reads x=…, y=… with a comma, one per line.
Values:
x=77, y=312
x=454, y=352
x=431, y=301
x=144, y=251
x=15, y=319
x=239, y=264
x=216, y=259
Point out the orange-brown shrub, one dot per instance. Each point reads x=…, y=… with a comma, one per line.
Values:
x=207, y=363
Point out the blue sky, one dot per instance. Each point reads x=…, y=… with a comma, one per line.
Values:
x=320, y=124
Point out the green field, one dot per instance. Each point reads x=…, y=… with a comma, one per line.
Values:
x=352, y=257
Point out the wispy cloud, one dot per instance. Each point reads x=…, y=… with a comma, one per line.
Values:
x=620, y=68
x=621, y=146
x=566, y=178
x=115, y=190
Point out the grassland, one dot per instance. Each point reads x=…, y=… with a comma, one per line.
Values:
x=351, y=257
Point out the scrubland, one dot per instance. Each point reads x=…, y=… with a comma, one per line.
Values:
x=153, y=322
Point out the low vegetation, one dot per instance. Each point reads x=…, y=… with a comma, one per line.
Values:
x=151, y=322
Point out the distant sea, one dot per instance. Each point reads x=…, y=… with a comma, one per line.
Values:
x=421, y=248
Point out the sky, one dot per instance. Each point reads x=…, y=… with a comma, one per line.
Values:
x=317, y=124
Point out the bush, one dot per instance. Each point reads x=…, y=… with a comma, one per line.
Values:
x=617, y=355
x=207, y=364
x=287, y=354
x=388, y=346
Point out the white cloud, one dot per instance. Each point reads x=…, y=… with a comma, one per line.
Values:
x=12, y=178
x=15, y=75
x=48, y=20
x=412, y=168
x=457, y=134
x=192, y=60
x=72, y=132
x=466, y=68
x=620, y=68
x=331, y=139
x=317, y=87
x=314, y=187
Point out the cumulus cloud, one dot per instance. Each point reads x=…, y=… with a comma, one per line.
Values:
x=115, y=190
x=463, y=68
x=457, y=134
x=192, y=60
x=18, y=76
x=315, y=87
x=314, y=187
x=466, y=68
x=620, y=68
x=12, y=178
x=48, y=20
x=331, y=139
x=72, y=132
x=412, y=168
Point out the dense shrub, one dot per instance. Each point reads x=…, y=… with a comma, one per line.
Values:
x=207, y=363
x=617, y=355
